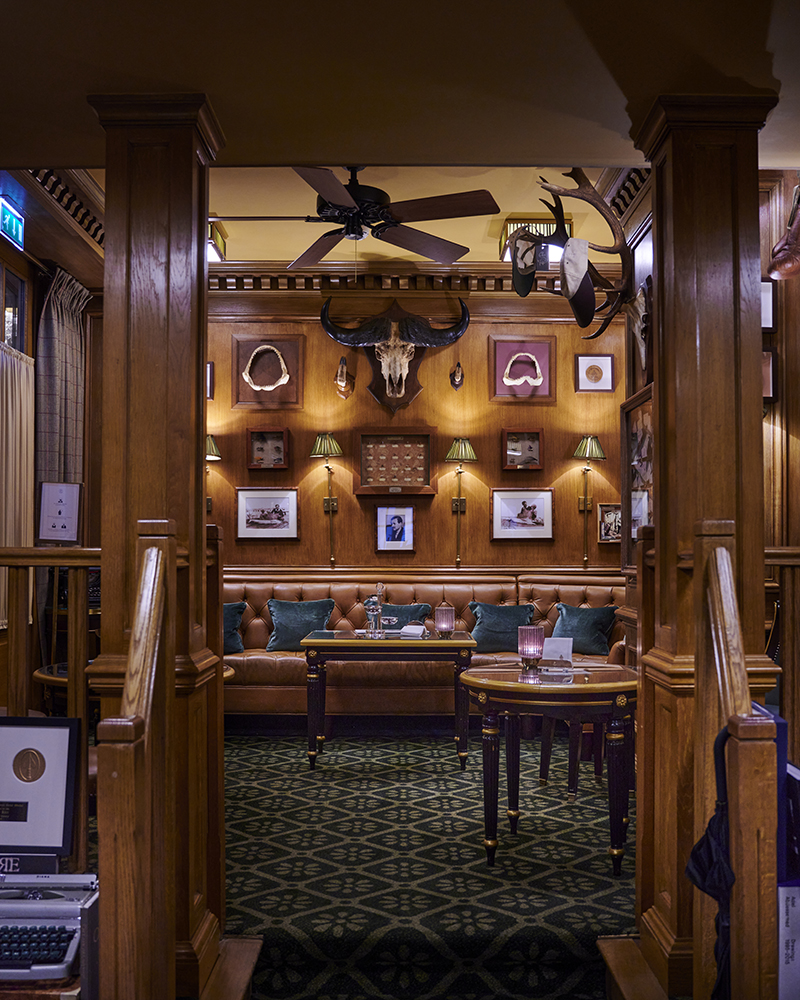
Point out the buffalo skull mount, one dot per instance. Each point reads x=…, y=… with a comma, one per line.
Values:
x=395, y=343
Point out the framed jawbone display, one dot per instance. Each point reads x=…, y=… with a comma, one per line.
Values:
x=267, y=373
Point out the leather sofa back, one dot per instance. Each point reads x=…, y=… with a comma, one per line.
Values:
x=256, y=586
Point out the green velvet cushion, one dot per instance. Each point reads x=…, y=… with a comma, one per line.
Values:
x=231, y=620
x=589, y=628
x=405, y=613
x=293, y=620
x=496, y=625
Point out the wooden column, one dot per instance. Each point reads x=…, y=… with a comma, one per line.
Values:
x=153, y=411
x=707, y=427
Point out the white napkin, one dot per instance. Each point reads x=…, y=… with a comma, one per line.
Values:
x=412, y=631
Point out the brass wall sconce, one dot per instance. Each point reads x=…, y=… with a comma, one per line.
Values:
x=590, y=450
x=460, y=451
x=324, y=447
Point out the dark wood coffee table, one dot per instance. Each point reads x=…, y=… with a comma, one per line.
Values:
x=324, y=645
x=601, y=694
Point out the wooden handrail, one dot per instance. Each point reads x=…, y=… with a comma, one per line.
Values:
x=722, y=697
x=135, y=792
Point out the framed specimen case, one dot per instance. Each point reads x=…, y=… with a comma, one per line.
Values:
x=394, y=463
x=266, y=372
x=267, y=448
x=522, y=369
x=523, y=449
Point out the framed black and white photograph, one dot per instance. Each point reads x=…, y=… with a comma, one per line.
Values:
x=38, y=765
x=594, y=373
x=638, y=457
x=519, y=514
x=267, y=449
x=267, y=514
x=523, y=449
x=59, y=512
x=609, y=522
x=395, y=529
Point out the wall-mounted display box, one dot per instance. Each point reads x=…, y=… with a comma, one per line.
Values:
x=394, y=463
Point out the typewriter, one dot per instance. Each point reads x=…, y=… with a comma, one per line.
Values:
x=49, y=929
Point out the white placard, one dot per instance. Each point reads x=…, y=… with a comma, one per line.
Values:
x=557, y=649
x=58, y=514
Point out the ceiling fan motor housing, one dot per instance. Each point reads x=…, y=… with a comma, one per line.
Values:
x=370, y=201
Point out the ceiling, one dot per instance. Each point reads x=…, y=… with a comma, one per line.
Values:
x=476, y=91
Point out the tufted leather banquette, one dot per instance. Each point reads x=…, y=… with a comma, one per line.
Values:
x=275, y=682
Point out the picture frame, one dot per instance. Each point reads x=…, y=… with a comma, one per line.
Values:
x=266, y=372
x=266, y=514
x=523, y=450
x=516, y=366
x=267, y=448
x=519, y=514
x=767, y=306
x=768, y=357
x=394, y=527
x=394, y=463
x=609, y=523
x=38, y=766
x=636, y=428
x=594, y=373
x=59, y=513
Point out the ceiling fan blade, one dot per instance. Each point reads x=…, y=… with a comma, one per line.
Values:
x=327, y=185
x=317, y=250
x=444, y=206
x=433, y=247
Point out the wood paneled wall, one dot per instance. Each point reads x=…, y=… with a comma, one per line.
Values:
x=468, y=412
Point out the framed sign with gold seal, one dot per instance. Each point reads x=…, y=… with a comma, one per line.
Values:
x=38, y=765
x=594, y=373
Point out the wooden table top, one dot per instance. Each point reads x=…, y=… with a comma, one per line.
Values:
x=586, y=680
x=352, y=639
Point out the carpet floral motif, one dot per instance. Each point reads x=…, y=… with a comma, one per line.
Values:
x=367, y=877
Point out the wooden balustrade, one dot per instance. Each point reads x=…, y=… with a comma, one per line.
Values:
x=722, y=696
x=136, y=794
x=21, y=562
x=787, y=561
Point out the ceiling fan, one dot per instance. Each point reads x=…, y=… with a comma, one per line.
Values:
x=359, y=210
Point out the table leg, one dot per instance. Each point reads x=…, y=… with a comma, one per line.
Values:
x=512, y=769
x=597, y=750
x=491, y=775
x=575, y=740
x=617, y=790
x=315, y=706
x=546, y=752
x=461, y=703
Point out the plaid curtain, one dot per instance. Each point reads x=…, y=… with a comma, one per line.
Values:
x=60, y=381
x=16, y=457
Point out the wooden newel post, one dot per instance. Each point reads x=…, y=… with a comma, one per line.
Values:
x=136, y=791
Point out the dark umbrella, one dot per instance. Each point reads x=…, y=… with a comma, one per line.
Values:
x=710, y=870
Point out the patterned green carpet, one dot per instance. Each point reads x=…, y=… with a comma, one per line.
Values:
x=367, y=877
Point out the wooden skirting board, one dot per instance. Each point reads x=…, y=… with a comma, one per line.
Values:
x=230, y=978
x=628, y=976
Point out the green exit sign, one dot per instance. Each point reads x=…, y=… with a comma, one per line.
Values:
x=12, y=224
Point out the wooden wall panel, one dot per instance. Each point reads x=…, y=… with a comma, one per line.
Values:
x=468, y=412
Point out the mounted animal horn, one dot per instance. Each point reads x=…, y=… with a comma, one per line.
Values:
x=390, y=340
